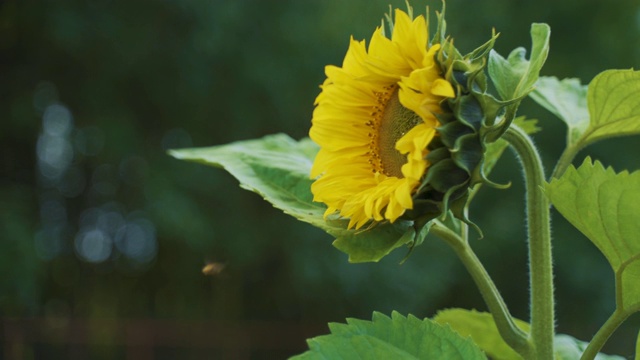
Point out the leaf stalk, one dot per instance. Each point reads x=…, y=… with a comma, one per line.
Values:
x=515, y=337
x=603, y=334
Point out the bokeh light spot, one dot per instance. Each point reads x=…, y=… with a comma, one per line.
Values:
x=57, y=120
x=54, y=156
x=137, y=240
x=93, y=245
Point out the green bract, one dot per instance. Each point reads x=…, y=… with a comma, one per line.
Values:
x=472, y=121
x=456, y=156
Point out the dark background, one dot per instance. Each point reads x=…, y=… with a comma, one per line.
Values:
x=103, y=236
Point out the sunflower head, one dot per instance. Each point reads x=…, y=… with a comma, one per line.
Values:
x=402, y=126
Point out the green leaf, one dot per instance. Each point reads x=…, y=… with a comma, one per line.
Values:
x=515, y=76
x=608, y=108
x=397, y=337
x=604, y=206
x=570, y=348
x=277, y=168
x=567, y=99
x=614, y=105
x=482, y=329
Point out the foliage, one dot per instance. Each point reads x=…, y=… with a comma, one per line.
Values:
x=603, y=205
x=613, y=109
x=515, y=76
x=180, y=74
x=482, y=329
x=567, y=99
x=395, y=337
x=277, y=168
x=569, y=348
x=599, y=203
x=604, y=110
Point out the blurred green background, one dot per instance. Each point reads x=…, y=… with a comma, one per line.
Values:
x=103, y=236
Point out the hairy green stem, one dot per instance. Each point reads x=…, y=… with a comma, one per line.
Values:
x=512, y=335
x=540, y=258
x=601, y=337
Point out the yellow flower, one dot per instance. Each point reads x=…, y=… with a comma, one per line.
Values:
x=374, y=120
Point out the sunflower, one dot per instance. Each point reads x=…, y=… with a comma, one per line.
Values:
x=374, y=121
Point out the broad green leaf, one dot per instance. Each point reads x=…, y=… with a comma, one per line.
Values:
x=607, y=108
x=569, y=348
x=515, y=76
x=567, y=99
x=482, y=329
x=277, y=168
x=604, y=206
x=614, y=105
x=395, y=337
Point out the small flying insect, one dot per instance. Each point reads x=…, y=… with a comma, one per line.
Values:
x=213, y=268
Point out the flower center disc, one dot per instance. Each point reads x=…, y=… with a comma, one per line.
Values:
x=395, y=123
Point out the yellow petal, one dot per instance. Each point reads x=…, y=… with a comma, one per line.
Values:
x=442, y=87
x=349, y=173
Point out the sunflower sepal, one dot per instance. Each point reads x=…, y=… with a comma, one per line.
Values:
x=459, y=209
x=423, y=224
x=375, y=240
x=422, y=228
x=470, y=123
x=480, y=54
